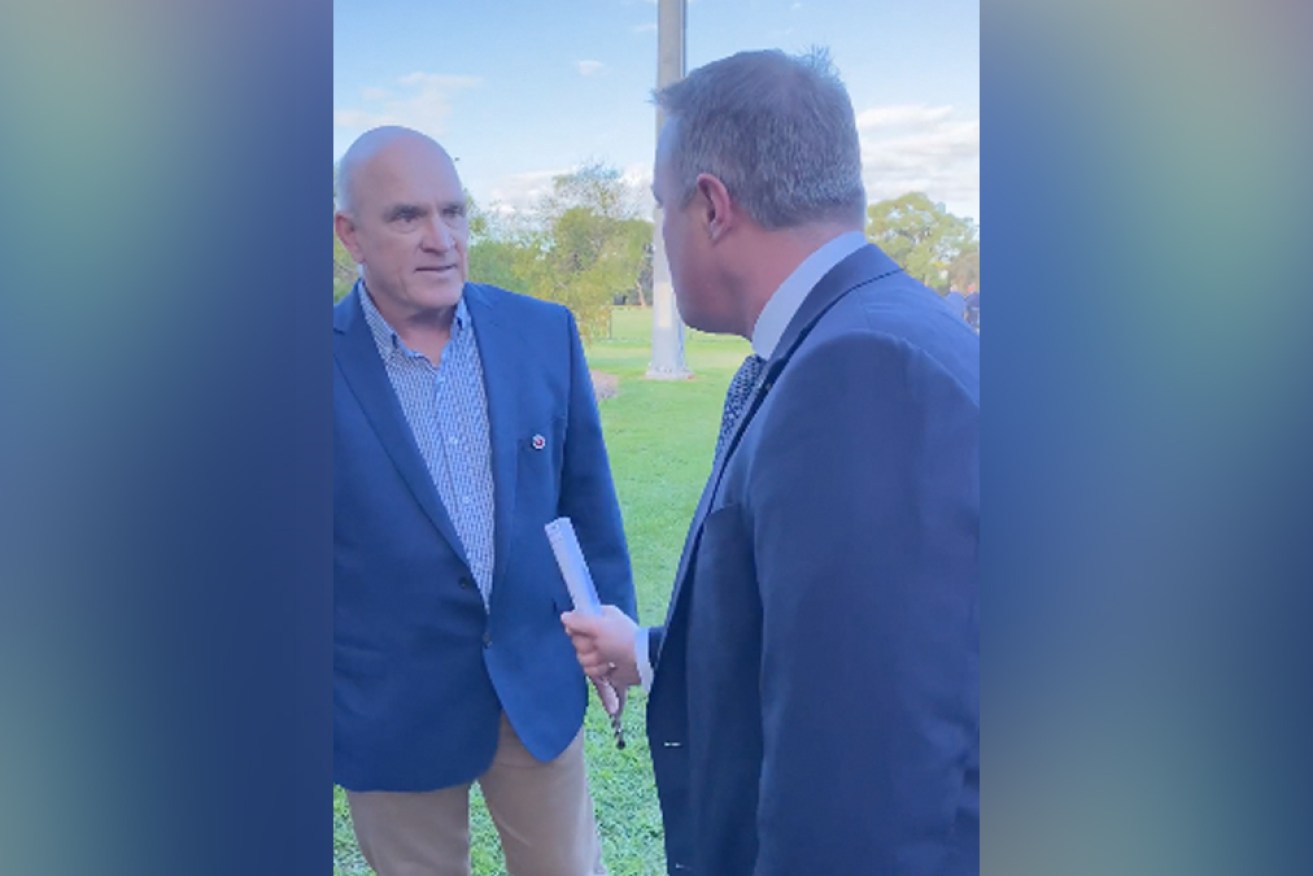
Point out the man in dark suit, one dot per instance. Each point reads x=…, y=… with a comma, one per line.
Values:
x=464, y=420
x=814, y=690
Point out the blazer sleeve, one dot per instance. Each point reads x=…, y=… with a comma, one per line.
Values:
x=587, y=492
x=864, y=513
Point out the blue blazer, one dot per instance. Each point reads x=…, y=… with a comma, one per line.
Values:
x=421, y=670
x=814, y=707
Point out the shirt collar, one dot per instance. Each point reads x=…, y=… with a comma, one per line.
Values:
x=787, y=299
x=386, y=338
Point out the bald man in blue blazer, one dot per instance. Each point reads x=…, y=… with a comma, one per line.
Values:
x=464, y=421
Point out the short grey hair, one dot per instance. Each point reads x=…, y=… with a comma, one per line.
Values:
x=778, y=130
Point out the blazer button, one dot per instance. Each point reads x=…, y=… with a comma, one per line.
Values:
x=487, y=640
x=466, y=582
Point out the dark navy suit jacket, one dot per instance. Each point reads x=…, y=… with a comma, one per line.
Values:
x=421, y=670
x=814, y=707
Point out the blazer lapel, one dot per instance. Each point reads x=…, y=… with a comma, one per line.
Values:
x=694, y=534
x=866, y=265
x=357, y=356
x=498, y=342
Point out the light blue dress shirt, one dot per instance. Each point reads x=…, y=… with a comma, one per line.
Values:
x=446, y=407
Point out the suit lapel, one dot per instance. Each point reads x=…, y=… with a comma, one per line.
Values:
x=357, y=356
x=866, y=265
x=694, y=535
x=498, y=342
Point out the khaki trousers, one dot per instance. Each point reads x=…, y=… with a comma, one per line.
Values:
x=543, y=813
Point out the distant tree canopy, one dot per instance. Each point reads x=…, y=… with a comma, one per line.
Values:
x=931, y=244
x=344, y=267
x=583, y=245
x=344, y=270
x=964, y=272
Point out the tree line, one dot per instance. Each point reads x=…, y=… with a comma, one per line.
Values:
x=588, y=245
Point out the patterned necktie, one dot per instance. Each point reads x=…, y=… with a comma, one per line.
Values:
x=736, y=398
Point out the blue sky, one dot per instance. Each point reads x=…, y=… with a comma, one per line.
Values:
x=521, y=90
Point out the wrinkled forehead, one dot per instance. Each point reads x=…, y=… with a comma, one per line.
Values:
x=408, y=169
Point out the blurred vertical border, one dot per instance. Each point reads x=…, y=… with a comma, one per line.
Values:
x=165, y=493
x=1146, y=486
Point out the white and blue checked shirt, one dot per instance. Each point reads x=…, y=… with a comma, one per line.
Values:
x=447, y=409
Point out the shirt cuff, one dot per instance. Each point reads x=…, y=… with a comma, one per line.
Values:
x=641, y=659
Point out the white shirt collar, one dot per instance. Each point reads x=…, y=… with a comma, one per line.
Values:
x=785, y=301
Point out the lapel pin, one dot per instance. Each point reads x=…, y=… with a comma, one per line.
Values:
x=539, y=442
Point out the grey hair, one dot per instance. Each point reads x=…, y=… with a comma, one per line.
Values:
x=778, y=130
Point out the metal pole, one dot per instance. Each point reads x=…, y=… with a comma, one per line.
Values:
x=667, y=326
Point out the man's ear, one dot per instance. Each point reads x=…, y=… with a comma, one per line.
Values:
x=346, y=232
x=719, y=211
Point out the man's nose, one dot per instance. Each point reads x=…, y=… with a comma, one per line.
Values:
x=437, y=236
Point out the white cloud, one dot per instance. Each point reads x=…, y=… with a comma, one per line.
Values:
x=638, y=174
x=520, y=192
x=418, y=100
x=357, y=118
x=589, y=68
x=910, y=148
x=647, y=27
x=639, y=179
x=901, y=116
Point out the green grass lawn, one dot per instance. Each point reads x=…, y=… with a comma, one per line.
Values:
x=660, y=436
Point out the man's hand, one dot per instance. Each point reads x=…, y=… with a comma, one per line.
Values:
x=612, y=695
x=604, y=645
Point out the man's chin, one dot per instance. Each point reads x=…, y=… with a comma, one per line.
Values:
x=441, y=290
x=697, y=319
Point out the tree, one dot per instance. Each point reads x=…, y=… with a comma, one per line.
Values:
x=344, y=267
x=636, y=235
x=964, y=272
x=643, y=283
x=496, y=251
x=588, y=246
x=344, y=270
x=924, y=238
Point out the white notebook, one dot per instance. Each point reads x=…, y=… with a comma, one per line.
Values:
x=574, y=568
